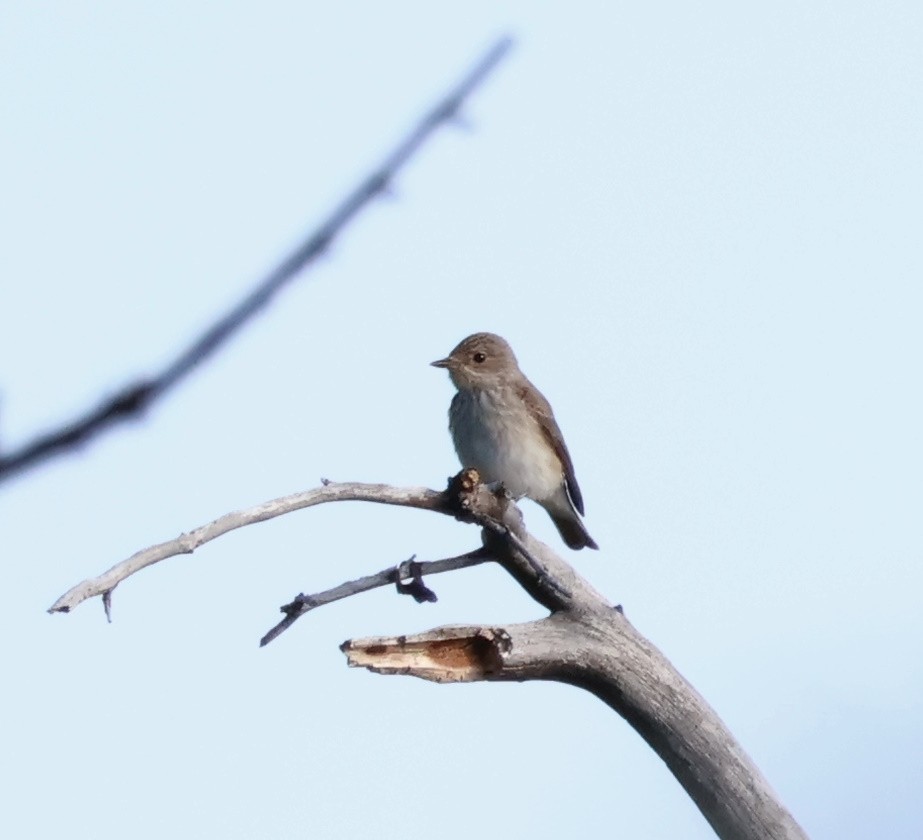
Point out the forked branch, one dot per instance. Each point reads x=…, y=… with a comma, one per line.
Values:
x=585, y=641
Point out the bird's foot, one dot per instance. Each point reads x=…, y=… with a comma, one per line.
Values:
x=498, y=488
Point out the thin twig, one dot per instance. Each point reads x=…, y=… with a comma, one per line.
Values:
x=135, y=398
x=393, y=574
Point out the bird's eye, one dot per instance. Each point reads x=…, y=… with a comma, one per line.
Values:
x=479, y=357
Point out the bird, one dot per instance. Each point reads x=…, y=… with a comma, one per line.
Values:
x=503, y=427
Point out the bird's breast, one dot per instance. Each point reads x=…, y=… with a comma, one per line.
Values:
x=495, y=433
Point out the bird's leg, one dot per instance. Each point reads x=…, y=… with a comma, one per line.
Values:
x=498, y=488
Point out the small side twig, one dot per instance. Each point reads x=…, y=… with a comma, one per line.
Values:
x=392, y=575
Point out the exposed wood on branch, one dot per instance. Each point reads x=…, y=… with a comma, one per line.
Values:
x=585, y=641
x=597, y=648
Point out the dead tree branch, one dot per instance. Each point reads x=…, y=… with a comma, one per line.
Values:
x=589, y=643
x=417, y=497
x=303, y=604
x=585, y=641
x=597, y=648
x=132, y=400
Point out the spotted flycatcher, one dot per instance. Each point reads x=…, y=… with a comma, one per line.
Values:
x=503, y=427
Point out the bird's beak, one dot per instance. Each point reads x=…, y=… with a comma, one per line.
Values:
x=442, y=363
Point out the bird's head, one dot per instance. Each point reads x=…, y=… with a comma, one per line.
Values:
x=479, y=361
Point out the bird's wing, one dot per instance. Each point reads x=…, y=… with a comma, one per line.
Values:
x=552, y=432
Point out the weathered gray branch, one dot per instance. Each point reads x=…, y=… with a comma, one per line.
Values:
x=595, y=647
x=303, y=604
x=585, y=642
x=417, y=497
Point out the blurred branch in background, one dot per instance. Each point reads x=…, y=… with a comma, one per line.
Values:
x=135, y=398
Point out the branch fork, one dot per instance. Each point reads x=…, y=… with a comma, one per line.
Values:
x=584, y=641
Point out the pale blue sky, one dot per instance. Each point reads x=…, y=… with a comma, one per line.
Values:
x=700, y=230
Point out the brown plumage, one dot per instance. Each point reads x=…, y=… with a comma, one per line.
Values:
x=502, y=426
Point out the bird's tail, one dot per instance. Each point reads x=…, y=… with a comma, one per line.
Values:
x=573, y=532
x=570, y=526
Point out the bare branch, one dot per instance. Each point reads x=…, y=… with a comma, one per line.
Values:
x=597, y=648
x=585, y=642
x=394, y=574
x=134, y=399
x=416, y=497
x=541, y=572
